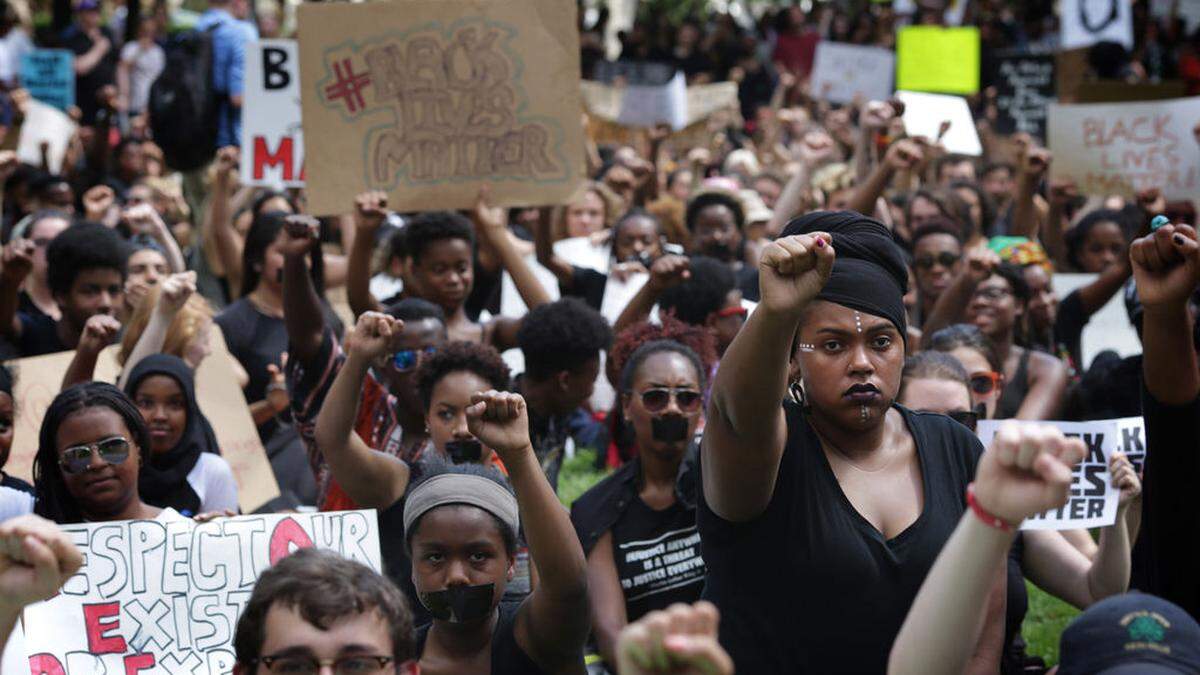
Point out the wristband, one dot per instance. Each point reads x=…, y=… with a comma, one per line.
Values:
x=988, y=518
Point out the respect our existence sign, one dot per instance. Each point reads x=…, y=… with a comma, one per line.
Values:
x=159, y=596
x=1093, y=498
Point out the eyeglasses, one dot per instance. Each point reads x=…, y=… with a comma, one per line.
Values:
x=986, y=382
x=967, y=418
x=736, y=310
x=991, y=293
x=657, y=400
x=343, y=665
x=77, y=459
x=945, y=259
x=407, y=359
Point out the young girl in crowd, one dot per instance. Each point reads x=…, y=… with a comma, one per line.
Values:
x=649, y=501
x=861, y=493
x=90, y=452
x=183, y=468
x=462, y=525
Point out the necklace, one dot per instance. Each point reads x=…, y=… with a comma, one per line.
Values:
x=845, y=457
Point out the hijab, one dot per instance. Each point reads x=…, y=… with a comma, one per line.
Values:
x=163, y=480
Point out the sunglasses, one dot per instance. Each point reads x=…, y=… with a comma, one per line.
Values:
x=945, y=259
x=986, y=382
x=407, y=359
x=77, y=459
x=657, y=400
x=967, y=418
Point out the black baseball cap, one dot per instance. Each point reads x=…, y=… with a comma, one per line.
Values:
x=1131, y=633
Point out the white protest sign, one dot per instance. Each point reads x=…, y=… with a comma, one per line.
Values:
x=272, y=138
x=649, y=105
x=1086, y=22
x=843, y=71
x=1188, y=10
x=924, y=114
x=1108, y=328
x=44, y=124
x=165, y=597
x=1121, y=148
x=1093, y=499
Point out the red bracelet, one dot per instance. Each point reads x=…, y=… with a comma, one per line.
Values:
x=989, y=519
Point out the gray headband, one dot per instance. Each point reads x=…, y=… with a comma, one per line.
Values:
x=460, y=488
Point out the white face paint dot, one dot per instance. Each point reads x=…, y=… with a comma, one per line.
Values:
x=805, y=347
x=858, y=321
x=864, y=413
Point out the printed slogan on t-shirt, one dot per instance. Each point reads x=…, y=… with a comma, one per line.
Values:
x=164, y=596
x=1093, y=498
x=432, y=102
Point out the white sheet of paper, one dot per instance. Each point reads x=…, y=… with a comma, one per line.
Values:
x=924, y=114
x=1109, y=327
x=1093, y=500
x=850, y=70
x=45, y=124
x=645, y=106
x=1086, y=22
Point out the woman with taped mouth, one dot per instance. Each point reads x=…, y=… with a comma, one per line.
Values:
x=461, y=523
x=638, y=526
x=820, y=517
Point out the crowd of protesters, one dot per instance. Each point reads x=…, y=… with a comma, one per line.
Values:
x=829, y=308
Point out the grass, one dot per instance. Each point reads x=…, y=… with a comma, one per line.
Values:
x=1044, y=622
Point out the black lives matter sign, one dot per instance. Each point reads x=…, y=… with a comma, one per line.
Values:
x=1024, y=91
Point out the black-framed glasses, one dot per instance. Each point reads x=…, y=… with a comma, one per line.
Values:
x=352, y=664
x=945, y=259
x=657, y=400
x=407, y=359
x=78, y=458
x=967, y=418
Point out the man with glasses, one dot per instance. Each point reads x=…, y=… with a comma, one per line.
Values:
x=315, y=609
x=391, y=417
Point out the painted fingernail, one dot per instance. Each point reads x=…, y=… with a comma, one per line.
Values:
x=820, y=243
x=1177, y=238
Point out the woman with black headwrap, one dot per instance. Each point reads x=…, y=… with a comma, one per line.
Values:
x=182, y=468
x=820, y=517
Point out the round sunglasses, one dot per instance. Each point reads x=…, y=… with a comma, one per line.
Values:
x=76, y=459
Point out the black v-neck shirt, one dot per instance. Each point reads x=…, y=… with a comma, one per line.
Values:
x=810, y=586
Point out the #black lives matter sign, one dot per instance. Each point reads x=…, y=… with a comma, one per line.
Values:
x=1093, y=499
x=1024, y=90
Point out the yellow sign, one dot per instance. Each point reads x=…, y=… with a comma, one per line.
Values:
x=943, y=60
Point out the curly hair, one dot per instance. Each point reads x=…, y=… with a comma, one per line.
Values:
x=457, y=357
x=703, y=293
x=704, y=200
x=433, y=226
x=83, y=247
x=561, y=335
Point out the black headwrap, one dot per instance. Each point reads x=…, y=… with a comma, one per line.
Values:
x=163, y=479
x=869, y=273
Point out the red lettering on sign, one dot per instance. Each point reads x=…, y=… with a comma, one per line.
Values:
x=99, y=619
x=263, y=157
x=45, y=664
x=136, y=663
x=286, y=534
x=1142, y=129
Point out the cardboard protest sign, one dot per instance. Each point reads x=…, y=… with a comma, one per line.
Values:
x=45, y=125
x=49, y=76
x=924, y=114
x=1120, y=148
x=165, y=596
x=1024, y=88
x=39, y=380
x=432, y=99
x=931, y=58
x=1086, y=22
x=1108, y=329
x=1093, y=499
x=272, y=138
x=843, y=71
